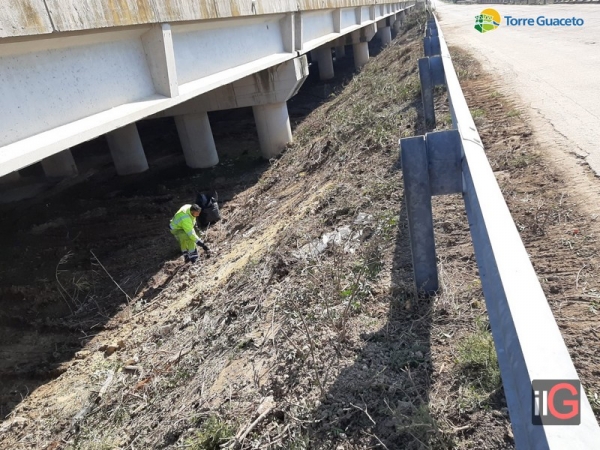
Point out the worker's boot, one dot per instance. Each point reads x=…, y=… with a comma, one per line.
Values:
x=186, y=256
x=193, y=256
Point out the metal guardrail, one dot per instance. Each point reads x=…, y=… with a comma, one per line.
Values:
x=527, y=339
x=528, y=2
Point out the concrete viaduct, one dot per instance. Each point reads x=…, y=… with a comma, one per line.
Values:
x=73, y=70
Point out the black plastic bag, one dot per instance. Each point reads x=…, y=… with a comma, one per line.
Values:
x=210, y=208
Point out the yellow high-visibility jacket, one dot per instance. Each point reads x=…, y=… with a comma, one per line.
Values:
x=183, y=220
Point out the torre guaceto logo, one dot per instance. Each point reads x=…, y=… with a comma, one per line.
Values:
x=488, y=20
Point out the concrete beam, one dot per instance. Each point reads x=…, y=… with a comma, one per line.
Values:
x=127, y=151
x=298, y=32
x=288, y=32
x=197, y=140
x=60, y=165
x=337, y=21
x=158, y=46
x=364, y=34
x=359, y=16
x=273, y=127
x=274, y=85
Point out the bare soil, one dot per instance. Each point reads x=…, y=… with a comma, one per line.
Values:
x=110, y=341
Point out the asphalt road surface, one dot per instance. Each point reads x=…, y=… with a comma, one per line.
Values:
x=553, y=71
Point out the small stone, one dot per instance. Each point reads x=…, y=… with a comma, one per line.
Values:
x=110, y=349
x=510, y=433
x=363, y=219
x=82, y=354
x=267, y=404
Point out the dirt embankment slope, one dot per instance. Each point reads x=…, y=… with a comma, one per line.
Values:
x=281, y=341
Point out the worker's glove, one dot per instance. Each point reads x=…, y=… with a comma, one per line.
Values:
x=203, y=246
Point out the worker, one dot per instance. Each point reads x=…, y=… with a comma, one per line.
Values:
x=182, y=227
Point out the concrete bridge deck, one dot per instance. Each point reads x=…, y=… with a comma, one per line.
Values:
x=73, y=70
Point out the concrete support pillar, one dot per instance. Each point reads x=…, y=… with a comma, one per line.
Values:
x=60, y=165
x=273, y=126
x=361, y=54
x=10, y=177
x=386, y=35
x=397, y=24
x=340, y=51
x=126, y=150
x=197, y=140
x=325, y=61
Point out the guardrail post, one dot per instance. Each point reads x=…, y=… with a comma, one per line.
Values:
x=431, y=31
x=430, y=24
x=431, y=165
x=417, y=195
x=431, y=45
x=427, y=92
x=431, y=74
x=436, y=68
x=444, y=155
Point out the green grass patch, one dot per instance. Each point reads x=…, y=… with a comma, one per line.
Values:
x=478, y=368
x=212, y=434
x=477, y=113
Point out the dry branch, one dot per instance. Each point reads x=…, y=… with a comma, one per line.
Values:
x=129, y=299
x=268, y=404
x=92, y=401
